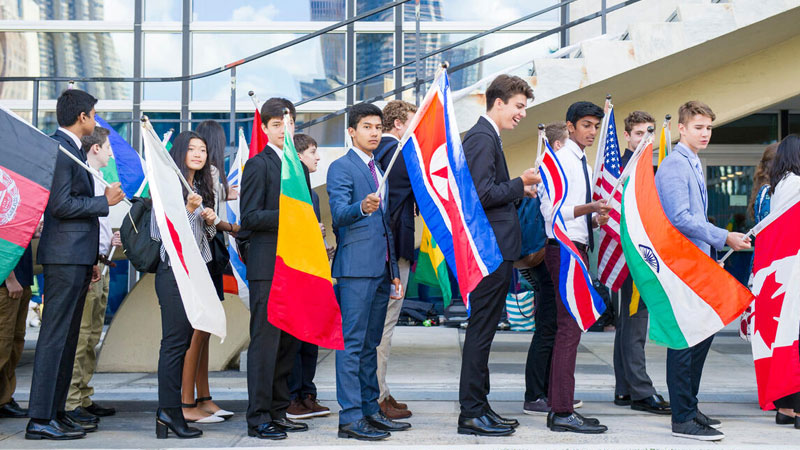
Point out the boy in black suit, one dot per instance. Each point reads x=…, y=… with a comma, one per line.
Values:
x=67, y=252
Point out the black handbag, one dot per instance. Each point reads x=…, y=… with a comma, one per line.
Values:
x=219, y=253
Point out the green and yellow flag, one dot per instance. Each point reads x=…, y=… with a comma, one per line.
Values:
x=431, y=266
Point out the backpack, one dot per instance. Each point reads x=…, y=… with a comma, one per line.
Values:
x=142, y=251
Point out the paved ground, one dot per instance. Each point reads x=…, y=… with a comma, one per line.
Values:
x=424, y=371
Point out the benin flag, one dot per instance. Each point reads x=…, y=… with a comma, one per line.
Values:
x=690, y=297
x=27, y=161
x=301, y=301
x=431, y=266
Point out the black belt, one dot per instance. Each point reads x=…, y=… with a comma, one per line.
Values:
x=578, y=245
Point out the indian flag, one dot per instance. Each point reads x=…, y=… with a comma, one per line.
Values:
x=301, y=301
x=432, y=267
x=690, y=297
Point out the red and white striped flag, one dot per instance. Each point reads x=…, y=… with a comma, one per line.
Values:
x=611, y=268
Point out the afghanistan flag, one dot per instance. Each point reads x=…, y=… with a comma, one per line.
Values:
x=690, y=297
x=125, y=166
x=301, y=301
x=27, y=161
x=432, y=267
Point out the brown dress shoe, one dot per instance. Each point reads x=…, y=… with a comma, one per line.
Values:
x=396, y=404
x=317, y=410
x=297, y=410
x=393, y=413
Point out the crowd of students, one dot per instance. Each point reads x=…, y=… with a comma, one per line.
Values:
x=371, y=262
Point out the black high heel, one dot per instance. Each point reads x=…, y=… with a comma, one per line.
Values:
x=172, y=419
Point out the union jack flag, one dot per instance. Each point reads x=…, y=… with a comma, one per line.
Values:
x=611, y=268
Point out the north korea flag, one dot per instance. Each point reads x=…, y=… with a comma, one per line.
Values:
x=27, y=161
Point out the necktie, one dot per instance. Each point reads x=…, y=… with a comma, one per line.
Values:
x=699, y=169
x=375, y=179
x=588, y=200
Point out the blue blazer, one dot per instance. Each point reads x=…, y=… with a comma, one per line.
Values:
x=362, y=241
x=71, y=233
x=680, y=189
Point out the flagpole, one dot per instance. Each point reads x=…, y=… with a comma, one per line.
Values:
x=634, y=158
x=539, y=146
x=601, y=143
x=149, y=128
x=668, y=134
x=167, y=137
x=92, y=171
x=254, y=98
x=760, y=226
x=108, y=257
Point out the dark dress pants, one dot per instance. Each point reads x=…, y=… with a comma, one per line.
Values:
x=486, y=307
x=630, y=369
x=363, y=302
x=537, y=366
x=176, y=335
x=65, y=290
x=301, y=380
x=568, y=336
x=684, y=370
x=270, y=358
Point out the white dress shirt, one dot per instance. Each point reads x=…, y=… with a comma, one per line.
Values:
x=367, y=158
x=570, y=158
x=494, y=125
x=72, y=136
x=105, y=224
x=277, y=150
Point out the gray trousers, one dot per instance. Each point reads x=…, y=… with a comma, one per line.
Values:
x=629, y=359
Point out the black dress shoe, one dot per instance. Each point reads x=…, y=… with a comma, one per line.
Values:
x=622, y=400
x=575, y=424
x=71, y=424
x=381, y=422
x=589, y=420
x=12, y=410
x=362, y=430
x=783, y=419
x=498, y=419
x=266, y=430
x=797, y=422
x=100, y=411
x=289, y=426
x=171, y=419
x=654, y=404
x=82, y=416
x=482, y=426
x=51, y=430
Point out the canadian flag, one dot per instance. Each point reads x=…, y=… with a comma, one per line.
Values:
x=776, y=319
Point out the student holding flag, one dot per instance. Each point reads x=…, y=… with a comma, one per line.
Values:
x=681, y=187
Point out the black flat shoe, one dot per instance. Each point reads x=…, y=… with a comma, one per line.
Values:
x=622, y=400
x=289, y=426
x=82, y=416
x=362, y=430
x=482, y=426
x=654, y=404
x=266, y=430
x=497, y=418
x=12, y=410
x=171, y=419
x=783, y=419
x=100, y=411
x=53, y=430
x=381, y=422
x=575, y=424
x=69, y=423
x=797, y=422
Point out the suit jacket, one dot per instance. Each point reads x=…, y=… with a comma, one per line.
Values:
x=363, y=241
x=681, y=191
x=498, y=193
x=261, y=190
x=400, y=201
x=71, y=233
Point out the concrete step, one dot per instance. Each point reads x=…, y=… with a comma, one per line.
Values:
x=751, y=11
x=703, y=22
x=604, y=59
x=652, y=41
x=555, y=77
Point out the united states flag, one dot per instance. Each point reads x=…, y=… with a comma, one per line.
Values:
x=611, y=268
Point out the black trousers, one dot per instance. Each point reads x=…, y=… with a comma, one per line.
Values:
x=176, y=335
x=684, y=370
x=630, y=369
x=65, y=287
x=301, y=379
x=486, y=306
x=270, y=358
x=537, y=366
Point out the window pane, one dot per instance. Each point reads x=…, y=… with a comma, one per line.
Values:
x=262, y=10
x=162, y=58
x=374, y=53
x=363, y=6
x=243, y=120
x=479, y=10
x=163, y=10
x=329, y=133
x=110, y=10
x=164, y=121
x=298, y=72
x=119, y=121
x=753, y=129
x=794, y=123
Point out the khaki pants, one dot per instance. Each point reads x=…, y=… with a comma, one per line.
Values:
x=392, y=314
x=12, y=339
x=94, y=313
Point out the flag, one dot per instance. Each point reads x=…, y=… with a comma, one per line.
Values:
x=575, y=285
x=258, y=139
x=690, y=297
x=431, y=266
x=301, y=300
x=125, y=166
x=242, y=288
x=611, y=268
x=203, y=308
x=776, y=285
x=27, y=161
x=664, y=142
x=445, y=193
